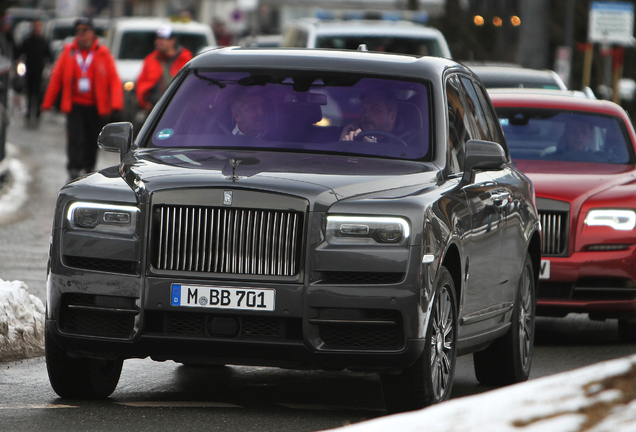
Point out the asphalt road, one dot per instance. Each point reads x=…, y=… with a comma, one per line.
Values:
x=168, y=396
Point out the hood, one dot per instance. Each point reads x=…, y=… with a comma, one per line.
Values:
x=574, y=182
x=128, y=70
x=321, y=179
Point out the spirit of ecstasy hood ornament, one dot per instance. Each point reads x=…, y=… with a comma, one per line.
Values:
x=234, y=163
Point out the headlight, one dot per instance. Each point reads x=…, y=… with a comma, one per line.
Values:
x=623, y=220
x=367, y=230
x=103, y=217
x=21, y=69
x=129, y=86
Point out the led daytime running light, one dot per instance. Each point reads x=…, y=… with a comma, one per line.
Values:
x=622, y=220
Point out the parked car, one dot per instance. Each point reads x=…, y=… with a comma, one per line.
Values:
x=132, y=39
x=261, y=41
x=282, y=244
x=515, y=76
x=404, y=37
x=579, y=153
x=586, y=93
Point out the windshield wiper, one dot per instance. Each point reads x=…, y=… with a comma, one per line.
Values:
x=210, y=80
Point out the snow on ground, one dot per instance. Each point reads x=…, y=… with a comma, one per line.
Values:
x=597, y=398
x=14, y=193
x=21, y=322
x=21, y=314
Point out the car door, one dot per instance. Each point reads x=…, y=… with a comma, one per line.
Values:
x=484, y=236
x=508, y=200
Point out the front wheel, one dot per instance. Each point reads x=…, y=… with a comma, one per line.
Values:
x=430, y=379
x=508, y=359
x=80, y=378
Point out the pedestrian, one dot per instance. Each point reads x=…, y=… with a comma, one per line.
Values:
x=86, y=82
x=160, y=67
x=35, y=49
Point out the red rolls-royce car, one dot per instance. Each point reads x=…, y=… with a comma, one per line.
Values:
x=579, y=153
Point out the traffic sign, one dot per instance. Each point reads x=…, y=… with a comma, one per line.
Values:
x=611, y=23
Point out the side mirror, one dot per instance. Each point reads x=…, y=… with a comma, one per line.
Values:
x=483, y=155
x=116, y=137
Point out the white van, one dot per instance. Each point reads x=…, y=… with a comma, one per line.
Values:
x=403, y=37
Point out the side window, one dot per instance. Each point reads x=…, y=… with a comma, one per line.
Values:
x=491, y=118
x=459, y=129
x=476, y=110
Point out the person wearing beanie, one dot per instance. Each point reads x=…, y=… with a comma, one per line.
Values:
x=160, y=67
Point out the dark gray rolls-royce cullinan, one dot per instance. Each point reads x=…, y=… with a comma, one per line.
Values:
x=291, y=208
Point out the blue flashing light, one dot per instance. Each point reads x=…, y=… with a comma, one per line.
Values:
x=420, y=17
x=324, y=14
x=392, y=16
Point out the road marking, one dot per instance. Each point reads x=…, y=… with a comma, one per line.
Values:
x=327, y=407
x=36, y=406
x=179, y=404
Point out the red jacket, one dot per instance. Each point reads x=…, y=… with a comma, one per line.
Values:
x=105, y=82
x=152, y=70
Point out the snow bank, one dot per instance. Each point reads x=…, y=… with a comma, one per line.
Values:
x=597, y=398
x=21, y=322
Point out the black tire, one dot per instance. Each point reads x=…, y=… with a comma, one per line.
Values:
x=430, y=379
x=508, y=359
x=627, y=330
x=80, y=378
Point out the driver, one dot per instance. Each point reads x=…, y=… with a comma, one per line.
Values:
x=249, y=111
x=378, y=111
x=578, y=136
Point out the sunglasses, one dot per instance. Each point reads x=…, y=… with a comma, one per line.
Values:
x=83, y=30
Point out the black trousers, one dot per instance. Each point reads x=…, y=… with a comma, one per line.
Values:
x=83, y=125
x=34, y=92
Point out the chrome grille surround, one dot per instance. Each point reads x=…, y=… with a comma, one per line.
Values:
x=227, y=240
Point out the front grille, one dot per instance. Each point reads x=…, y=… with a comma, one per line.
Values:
x=100, y=264
x=224, y=240
x=361, y=278
x=554, y=226
x=94, y=315
x=555, y=290
x=359, y=329
x=360, y=337
x=253, y=328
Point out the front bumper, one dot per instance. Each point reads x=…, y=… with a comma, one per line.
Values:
x=601, y=283
x=319, y=326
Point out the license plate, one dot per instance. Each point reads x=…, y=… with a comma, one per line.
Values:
x=544, y=272
x=223, y=297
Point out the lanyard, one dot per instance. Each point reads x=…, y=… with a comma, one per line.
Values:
x=84, y=64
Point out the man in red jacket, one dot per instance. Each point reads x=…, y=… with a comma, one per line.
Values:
x=159, y=67
x=86, y=82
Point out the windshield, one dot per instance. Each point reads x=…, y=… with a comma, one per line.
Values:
x=542, y=134
x=136, y=45
x=302, y=111
x=393, y=44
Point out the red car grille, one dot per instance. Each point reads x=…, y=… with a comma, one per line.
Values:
x=554, y=226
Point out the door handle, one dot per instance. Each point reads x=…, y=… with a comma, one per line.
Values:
x=501, y=199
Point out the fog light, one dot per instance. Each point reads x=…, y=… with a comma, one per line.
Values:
x=390, y=233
